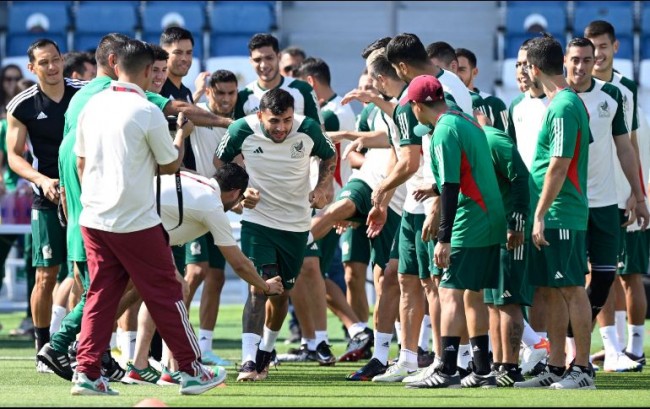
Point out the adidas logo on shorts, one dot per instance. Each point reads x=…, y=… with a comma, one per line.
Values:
x=506, y=294
x=558, y=276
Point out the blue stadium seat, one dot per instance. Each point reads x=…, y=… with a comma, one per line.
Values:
x=518, y=11
x=96, y=19
x=53, y=18
x=619, y=13
x=233, y=23
x=192, y=16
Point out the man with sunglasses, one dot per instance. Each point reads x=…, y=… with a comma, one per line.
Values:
x=290, y=60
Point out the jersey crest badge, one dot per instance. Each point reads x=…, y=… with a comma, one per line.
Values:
x=603, y=110
x=298, y=150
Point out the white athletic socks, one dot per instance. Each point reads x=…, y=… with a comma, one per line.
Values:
x=398, y=331
x=530, y=337
x=464, y=355
x=356, y=328
x=425, y=333
x=205, y=340
x=635, y=339
x=320, y=337
x=408, y=359
x=249, y=342
x=58, y=313
x=610, y=340
x=382, y=346
x=620, y=321
x=268, y=339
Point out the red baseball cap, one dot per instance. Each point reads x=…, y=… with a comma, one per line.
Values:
x=423, y=88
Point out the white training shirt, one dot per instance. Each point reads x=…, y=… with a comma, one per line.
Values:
x=527, y=113
x=453, y=85
x=202, y=210
x=339, y=117
x=122, y=137
x=205, y=140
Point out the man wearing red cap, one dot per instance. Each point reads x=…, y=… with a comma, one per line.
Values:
x=471, y=230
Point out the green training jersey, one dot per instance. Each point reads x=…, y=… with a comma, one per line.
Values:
x=68, y=177
x=512, y=177
x=496, y=110
x=564, y=134
x=459, y=151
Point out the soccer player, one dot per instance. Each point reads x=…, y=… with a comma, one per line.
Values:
x=277, y=145
x=634, y=241
x=290, y=60
x=36, y=116
x=471, y=230
x=467, y=72
x=79, y=66
x=607, y=122
x=558, y=188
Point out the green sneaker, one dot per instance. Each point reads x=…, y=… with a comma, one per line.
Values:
x=169, y=378
x=81, y=385
x=204, y=381
x=135, y=376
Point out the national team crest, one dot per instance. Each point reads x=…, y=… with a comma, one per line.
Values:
x=603, y=110
x=298, y=150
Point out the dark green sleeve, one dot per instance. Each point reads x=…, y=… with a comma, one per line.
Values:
x=311, y=109
x=362, y=123
x=331, y=121
x=232, y=141
x=242, y=97
x=405, y=120
x=499, y=112
x=157, y=99
x=512, y=132
x=323, y=146
x=619, y=127
x=518, y=176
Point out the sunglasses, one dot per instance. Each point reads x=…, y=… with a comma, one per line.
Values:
x=12, y=79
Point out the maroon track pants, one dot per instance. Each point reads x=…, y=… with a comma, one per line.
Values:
x=145, y=256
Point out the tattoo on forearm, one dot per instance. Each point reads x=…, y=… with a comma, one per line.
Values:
x=326, y=169
x=254, y=312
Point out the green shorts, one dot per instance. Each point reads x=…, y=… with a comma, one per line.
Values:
x=265, y=245
x=433, y=268
x=203, y=249
x=561, y=264
x=65, y=272
x=360, y=194
x=84, y=274
x=472, y=268
x=394, y=248
x=324, y=249
x=376, y=251
x=635, y=254
x=49, y=241
x=355, y=245
x=413, y=254
x=603, y=230
x=178, y=252
x=513, y=285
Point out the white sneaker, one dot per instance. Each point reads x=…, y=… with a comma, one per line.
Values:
x=42, y=368
x=543, y=380
x=204, y=381
x=620, y=363
x=574, y=378
x=423, y=373
x=533, y=355
x=81, y=385
x=394, y=373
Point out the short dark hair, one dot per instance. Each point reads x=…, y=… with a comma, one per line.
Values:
x=277, y=101
x=260, y=40
x=471, y=57
x=40, y=43
x=546, y=54
x=581, y=42
x=220, y=76
x=375, y=45
x=75, y=62
x=381, y=66
x=159, y=53
x=600, y=27
x=443, y=51
x=231, y=177
x=294, y=52
x=407, y=48
x=317, y=68
x=526, y=44
x=109, y=44
x=173, y=34
x=134, y=56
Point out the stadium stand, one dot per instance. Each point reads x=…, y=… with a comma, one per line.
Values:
x=619, y=13
x=156, y=16
x=524, y=19
x=95, y=19
x=28, y=22
x=233, y=23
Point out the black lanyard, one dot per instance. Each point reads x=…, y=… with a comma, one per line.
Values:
x=179, y=195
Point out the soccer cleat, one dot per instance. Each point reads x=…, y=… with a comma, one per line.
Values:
x=301, y=354
x=474, y=380
x=423, y=373
x=81, y=385
x=263, y=361
x=373, y=368
x=247, y=372
x=507, y=378
x=621, y=363
x=168, y=378
x=324, y=354
x=639, y=359
x=207, y=379
x=394, y=373
x=58, y=362
x=41, y=367
x=425, y=358
x=110, y=368
x=210, y=358
x=574, y=378
x=358, y=346
x=135, y=376
x=437, y=379
x=545, y=379
x=533, y=355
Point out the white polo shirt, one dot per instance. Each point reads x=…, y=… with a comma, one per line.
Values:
x=205, y=140
x=122, y=137
x=202, y=210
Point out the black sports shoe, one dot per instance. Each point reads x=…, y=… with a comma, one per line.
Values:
x=72, y=354
x=262, y=360
x=358, y=346
x=368, y=371
x=110, y=368
x=639, y=359
x=425, y=358
x=538, y=368
x=302, y=354
x=507, y=378
x=325, y=355
x=58, y=362
x=437, y=379
x=474, y=380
